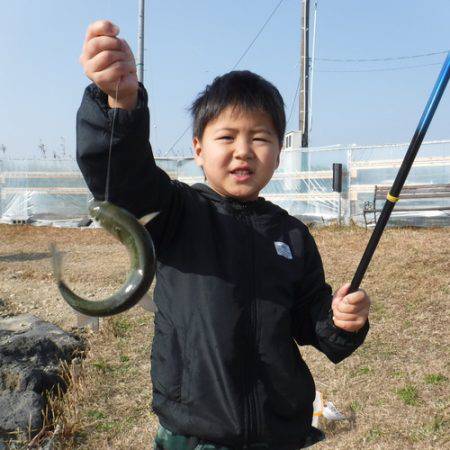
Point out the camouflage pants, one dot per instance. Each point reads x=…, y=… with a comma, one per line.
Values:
x=166, y=440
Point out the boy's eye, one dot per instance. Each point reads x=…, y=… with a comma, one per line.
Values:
x=226, y=137
x=260, y=139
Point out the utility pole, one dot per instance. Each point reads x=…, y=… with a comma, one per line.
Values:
x=304, y=74
x=140, y=56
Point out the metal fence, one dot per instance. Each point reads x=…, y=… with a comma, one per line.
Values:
x=54, y=191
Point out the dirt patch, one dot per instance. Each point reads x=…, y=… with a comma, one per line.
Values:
x=395, y=387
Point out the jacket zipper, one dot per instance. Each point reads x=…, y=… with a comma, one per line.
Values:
x=251, y=431
x=254, y=321
x=240, y=216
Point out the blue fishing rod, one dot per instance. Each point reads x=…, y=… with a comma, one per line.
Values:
x=394, y=192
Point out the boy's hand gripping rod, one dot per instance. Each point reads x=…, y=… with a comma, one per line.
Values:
x=399, y=181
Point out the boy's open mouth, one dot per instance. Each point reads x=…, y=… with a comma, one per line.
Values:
x=242, y=174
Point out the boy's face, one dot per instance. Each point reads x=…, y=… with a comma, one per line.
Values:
x=239, y=152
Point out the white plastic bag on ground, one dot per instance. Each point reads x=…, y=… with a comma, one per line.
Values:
x=318, y=409
x=329, y=411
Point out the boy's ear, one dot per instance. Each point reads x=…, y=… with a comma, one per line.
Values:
x=196, y=144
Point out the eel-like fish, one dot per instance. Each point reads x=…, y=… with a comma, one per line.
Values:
x=129, y=231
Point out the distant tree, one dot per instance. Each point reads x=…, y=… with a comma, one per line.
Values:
x=63, y=146
x=43, y=148
x=3, y=148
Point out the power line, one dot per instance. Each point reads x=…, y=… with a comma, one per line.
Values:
x=178, y=140
x=381, y=70
x=365, y=70
x=391, y=58
x=257, y=34
x=236, y=64
x=294, y=100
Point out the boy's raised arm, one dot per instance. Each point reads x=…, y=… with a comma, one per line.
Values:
x=135, y=182
x=134, y=176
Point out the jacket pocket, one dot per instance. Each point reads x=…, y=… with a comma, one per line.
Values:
x=290, y=386
x=167, y=360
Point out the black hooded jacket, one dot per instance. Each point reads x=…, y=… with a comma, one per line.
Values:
x=238, y=286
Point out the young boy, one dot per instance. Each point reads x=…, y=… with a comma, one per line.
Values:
x=239, y=281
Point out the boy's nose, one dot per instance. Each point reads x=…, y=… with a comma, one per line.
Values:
x=243, y=149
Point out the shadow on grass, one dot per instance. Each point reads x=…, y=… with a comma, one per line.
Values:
x=19, y=257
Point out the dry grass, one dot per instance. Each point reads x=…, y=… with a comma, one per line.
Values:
x=395, y=387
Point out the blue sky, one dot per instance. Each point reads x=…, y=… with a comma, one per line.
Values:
x=188, y=43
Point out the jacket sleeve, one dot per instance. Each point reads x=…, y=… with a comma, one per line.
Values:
x=136, y=183
x=313, y=317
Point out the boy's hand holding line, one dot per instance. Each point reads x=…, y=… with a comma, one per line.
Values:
x=350, y=311
x=106, y=60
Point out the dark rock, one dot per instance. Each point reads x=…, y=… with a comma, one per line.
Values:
x=15, y=404
x=31, y=351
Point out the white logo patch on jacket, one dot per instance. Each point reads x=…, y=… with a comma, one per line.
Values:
x=283, y=249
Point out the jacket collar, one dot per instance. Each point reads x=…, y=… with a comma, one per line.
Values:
x=230, y=203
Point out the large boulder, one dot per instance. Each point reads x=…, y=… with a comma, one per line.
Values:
x=31, y=352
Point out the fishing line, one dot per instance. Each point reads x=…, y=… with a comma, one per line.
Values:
x=108, y=170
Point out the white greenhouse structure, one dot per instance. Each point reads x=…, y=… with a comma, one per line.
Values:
x=53, y=192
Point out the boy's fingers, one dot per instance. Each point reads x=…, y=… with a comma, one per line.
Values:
x=349, y=317
x=101, y=44
x=98, y=29
x=341, y=292
x=355, y=297
x=127, y=48
x=349, y=309
x=101, y=28
x=103, y=60
x=352, y=326
x=114, y=72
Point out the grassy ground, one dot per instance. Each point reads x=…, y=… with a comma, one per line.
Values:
x=395, y=388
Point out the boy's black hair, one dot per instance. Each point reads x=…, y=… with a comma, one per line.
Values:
x=242, y=89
